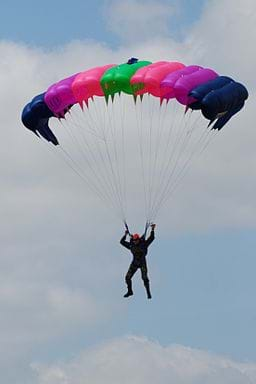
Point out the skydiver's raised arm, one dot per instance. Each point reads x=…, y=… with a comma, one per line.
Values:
x=125, y=243
x=151, y=237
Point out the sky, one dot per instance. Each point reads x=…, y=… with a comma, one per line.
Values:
x=56, y=23
x=63, y=316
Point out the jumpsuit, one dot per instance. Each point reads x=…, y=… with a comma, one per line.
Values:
x=139, y=252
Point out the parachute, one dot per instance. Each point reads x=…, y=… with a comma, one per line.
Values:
x=132, y=130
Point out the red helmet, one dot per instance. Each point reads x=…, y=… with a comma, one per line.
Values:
x=136, y=236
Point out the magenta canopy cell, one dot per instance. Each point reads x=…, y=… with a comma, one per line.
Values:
x=180, y=83
x=59, y=96
x=168, y=83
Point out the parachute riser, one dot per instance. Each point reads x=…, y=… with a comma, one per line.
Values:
x=147, y=225
x=127, y=228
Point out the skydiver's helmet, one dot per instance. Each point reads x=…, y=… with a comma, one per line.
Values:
x=136, y=238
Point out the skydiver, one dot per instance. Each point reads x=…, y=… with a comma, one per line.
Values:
x=138, y=246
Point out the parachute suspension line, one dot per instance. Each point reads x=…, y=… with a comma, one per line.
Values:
x=84, y=154
x=69, y=161
x=161, y=159
x=139, y=114
x=110, y=157
x=106, y=164
x=174, y=160
x=76, y=168
x=127, y=228
x=159, y=127
x=178, y=180
x=158, y=130
x=210, y=137
x=120, y=130
x=168, y=151
x=148, y=166
x=112, y=152
x=181, y=143
x=143, y=144
x=117, y=121
x=154, y=128
x=78, y=122
x=90, y=156
x=123, y=152
x=168, y=147
x=149, y=159
x=147, y=225
x=152, y=105
x=205, y=138
x=63, y=156
x=107, y=129
x=102, y=123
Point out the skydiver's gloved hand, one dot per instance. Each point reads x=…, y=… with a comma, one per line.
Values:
x=126, y=232
x=153, y=226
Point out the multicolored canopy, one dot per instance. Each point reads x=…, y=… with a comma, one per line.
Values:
x=156, y=141
x=218, y=97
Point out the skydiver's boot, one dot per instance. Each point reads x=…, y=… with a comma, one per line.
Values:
x=146, y=283
x=129, y=292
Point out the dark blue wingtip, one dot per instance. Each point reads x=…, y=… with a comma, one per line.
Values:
x=132, y=60
x=219, y=100
x=45, y=131
x=225, y=118
x=210, y=123
x=35, y=117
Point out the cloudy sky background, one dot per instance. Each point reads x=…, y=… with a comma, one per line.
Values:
x=63, y=318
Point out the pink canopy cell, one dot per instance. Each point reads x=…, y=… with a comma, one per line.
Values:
x=148, y=79
x=87, y=83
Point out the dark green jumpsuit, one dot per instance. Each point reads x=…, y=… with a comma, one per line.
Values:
x=139, y=252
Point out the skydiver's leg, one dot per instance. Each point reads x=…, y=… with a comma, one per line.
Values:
x=128, y=279
x=144, y=276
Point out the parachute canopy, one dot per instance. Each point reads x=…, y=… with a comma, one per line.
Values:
x=103, y=92
x=218, y=97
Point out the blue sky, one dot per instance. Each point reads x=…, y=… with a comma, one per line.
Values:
x=62, y=268
x=202, y=297
x=50, y=24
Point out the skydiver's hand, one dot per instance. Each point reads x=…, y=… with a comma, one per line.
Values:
x=153, y=226
x=126, y=232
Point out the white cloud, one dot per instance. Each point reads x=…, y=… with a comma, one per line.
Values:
x=224, y=37
x=55, y=235
x=138, y=360
x=138, y=20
